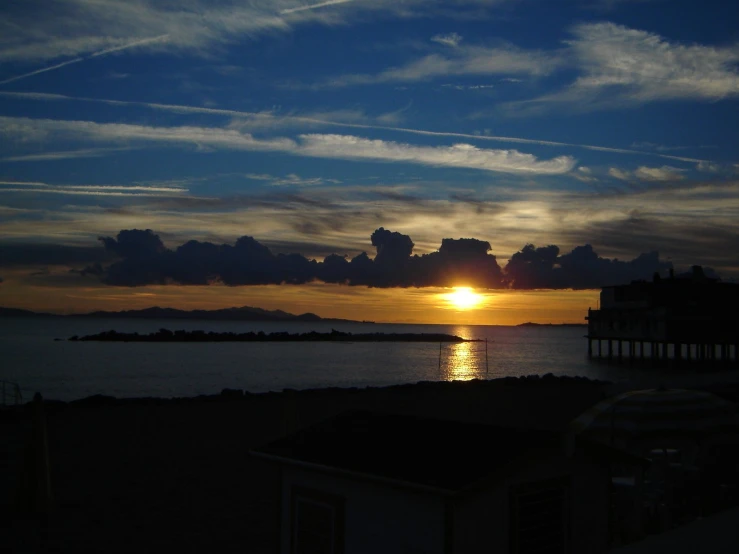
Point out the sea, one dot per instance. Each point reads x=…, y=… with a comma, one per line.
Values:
x=31, y=357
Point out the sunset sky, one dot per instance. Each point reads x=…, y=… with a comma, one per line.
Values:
x=329, y=129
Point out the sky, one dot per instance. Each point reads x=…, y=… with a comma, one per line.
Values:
x=361, y=158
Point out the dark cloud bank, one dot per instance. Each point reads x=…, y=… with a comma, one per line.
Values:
x=144, y=260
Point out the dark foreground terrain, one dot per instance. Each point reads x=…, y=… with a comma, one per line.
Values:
x=159, y=475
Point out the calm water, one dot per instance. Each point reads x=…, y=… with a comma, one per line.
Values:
x=68, y=370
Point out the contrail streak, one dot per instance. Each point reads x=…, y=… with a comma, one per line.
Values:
x=83, y=58
x=175, y=108
x=314, y=6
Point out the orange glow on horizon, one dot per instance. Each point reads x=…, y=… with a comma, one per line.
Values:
x=389, y=305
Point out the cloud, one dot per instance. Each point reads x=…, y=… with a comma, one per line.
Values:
x=665, y=148
x=664, y=173
x=295, y=180
x=451, y=39
x=314, y=6
x=143, y=260
x=582, y=268
x=644, y=173
x=467, y=87
x=36, y=187
x=620, y=66
x=104, y=52
x=651, y=67
x=462, y=60
x=63, y=155
x=458, y=155
x=313, y=145
x=78, y=28
x=22, y=128
x=291, y=180
x=619, y=174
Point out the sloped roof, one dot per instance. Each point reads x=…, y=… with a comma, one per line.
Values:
x=445, y=455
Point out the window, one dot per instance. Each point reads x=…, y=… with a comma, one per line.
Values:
x=539, y=516
x=317, y=522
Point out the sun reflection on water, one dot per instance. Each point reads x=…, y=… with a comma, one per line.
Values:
x=463, y=361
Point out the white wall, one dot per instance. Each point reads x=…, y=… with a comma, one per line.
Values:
x=378, y=518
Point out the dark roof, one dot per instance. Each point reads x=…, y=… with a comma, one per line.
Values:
x=445, y=455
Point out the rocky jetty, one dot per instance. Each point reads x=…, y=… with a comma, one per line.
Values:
x=165, y=335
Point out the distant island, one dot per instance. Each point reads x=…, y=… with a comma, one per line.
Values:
x=165, y=335
x=532, y=324
x=244, y=313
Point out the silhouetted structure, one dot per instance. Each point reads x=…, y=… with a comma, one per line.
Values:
x=165, y=335
x=683, y=318
x=376, y=482
x=692, y=439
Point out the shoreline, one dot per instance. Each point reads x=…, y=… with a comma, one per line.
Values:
x=728, y=390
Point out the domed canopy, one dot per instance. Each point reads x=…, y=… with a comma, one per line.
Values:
x=658, y=415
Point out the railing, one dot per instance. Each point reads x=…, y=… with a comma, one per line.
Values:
x=11, y=394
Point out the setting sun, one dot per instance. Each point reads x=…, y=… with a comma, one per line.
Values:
x=463, y=298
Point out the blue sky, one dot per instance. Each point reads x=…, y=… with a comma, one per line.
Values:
x=309, y=125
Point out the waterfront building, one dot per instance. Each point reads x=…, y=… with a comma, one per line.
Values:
x=683, y=319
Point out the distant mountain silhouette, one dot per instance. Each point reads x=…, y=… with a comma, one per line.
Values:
x=531, y=324
x=244, y=313
x=16, y=312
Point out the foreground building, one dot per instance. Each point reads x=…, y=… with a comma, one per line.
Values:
x=690, y=318
x=366, y=482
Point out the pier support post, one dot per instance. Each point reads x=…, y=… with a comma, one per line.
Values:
x=590, y=347
x=678, y=351
x=687, y=351
x=610, y=349
x=600, y=350
x=641, y=349
x=620, y=350
x=665, y=352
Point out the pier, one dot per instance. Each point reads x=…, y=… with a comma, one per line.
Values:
x=689, y=319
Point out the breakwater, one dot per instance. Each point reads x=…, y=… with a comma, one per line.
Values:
x=165, y=335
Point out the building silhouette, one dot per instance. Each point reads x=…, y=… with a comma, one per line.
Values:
x=686, y=318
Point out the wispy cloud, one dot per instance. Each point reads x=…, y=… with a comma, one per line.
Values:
x=38, y=187
x=644, y=173
x=621, y=66
x=292, y=180
x=75, y=28
x=458, y=155
x=314, y=6
x=462, y=60
x=64, y=155
x=654, y=68
x=269, y=120
x=664, y=173
x=312, y=145
x=451, y=39
x=104, y=52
